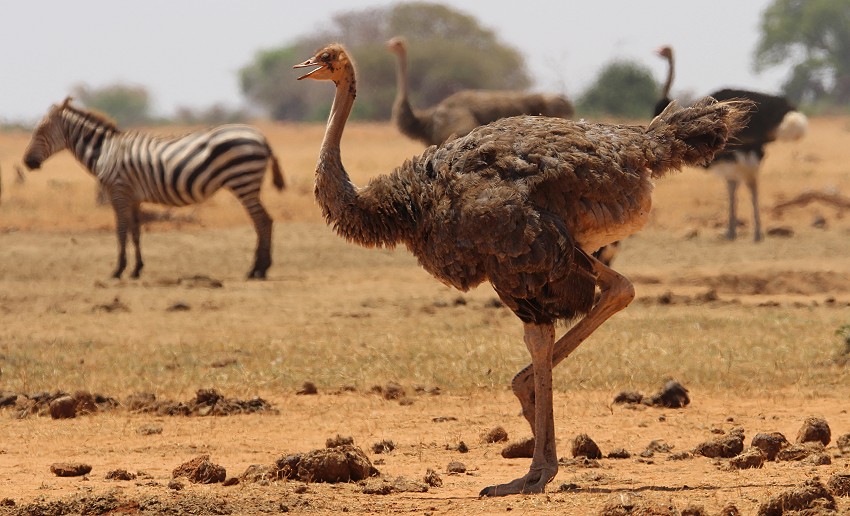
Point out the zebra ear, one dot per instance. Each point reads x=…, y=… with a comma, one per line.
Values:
x=67, y=101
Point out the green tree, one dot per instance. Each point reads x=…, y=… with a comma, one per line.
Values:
x=814, y=35
x=623, y=89
x=445, y=55
x=128, y=105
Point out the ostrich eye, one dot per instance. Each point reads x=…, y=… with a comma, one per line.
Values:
x=325, y=55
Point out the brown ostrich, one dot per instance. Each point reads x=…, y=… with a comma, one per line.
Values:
x=770, y=118
x=461, y=112
x=521, y=203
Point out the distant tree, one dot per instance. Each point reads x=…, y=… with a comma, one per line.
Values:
x=814, y=35
x=448, y=51
x=622, y=89
x=212, y=115
x=128, y=105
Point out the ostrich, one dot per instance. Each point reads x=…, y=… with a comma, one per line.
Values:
x=770, y=118
x=521, y=203
x=465, y=110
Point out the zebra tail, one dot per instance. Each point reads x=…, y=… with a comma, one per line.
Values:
x=277, y=174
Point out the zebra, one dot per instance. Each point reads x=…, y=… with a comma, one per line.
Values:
x=135, y=167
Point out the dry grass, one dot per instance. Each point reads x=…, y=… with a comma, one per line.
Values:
x=338, y=315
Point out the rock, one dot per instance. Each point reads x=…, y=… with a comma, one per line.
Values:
x=799, y=451
x=726, y=446
x=258, y=473
x=456, y=467
x=120, y=474
x=749, y=458
x=341, y=464
x=672, y=395
x=200, y=471
x=583, y=446
x=63, y=408
x=814, y=429
x=519, y=449
x=839, y=484
x=495, y=435
x=384, y=446
x=70, y=469
x=809, y=495
x=307, y=388
x=335, y=442
x=770, y=443
x=619, y=453
x=432, y=478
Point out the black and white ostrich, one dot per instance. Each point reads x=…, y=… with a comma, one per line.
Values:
x=771, y=118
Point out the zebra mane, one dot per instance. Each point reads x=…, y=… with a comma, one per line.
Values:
x=93, y=116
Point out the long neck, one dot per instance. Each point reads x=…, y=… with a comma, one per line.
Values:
x=85, y=137
x=408, y=122
x=669, y=84
x=371, y=216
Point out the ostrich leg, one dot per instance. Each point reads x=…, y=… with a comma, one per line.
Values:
x=540, y=340
x=732, y=187
x=754, y=192
x=616, y=293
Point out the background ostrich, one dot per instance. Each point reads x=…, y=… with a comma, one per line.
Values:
x=521, y=203
x=770, y=118
x=465, y=110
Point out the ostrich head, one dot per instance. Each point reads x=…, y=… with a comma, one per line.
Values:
x=397, y=45
x=331, y=62
x=48, y=137
x=666, y=52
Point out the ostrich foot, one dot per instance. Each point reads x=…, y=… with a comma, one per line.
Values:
x=533, y=482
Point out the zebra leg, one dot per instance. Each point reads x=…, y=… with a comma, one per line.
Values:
x=263, y=227
x=123, y=217
x=135, y=232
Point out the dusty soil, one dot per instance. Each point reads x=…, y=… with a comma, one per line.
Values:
x=417, y=375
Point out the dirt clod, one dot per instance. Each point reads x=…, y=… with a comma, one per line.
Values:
x=799, y=451
x=63, y=408
x=809, y=495
x=672, y=395
x=725, y=447
x=432, y=478
x=344, y=463
x=120, y=474
x=70, y=469
x=257, y=473
x=839, y=484
x=814, y=429
x=149, y=429
x=770, y=443
x=335, y=442
x=584, y=446
x=748, y=459
x=307, y=389
x=495, y=435
x=379, y=486
x=619, y=453
x=456, y=467
x=200, y=471
x=523, y=449
x=384, y=446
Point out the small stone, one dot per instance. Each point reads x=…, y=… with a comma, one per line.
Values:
x=583, y=446
x=433, y=479
x=770, y=443
x=814, y=429
x=495, y=435
x=384, y=446
x=200, y=471
x=70, y=469
x=748, y=459
x=456, y=467
x=120, y=474
x=307, y=388
x=619, y=453
x=519, y=449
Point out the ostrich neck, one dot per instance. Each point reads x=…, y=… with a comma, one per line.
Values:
x=364, y=216
x=402, y=94
x=669, y=83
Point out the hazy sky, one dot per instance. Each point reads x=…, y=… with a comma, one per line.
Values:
x=188, y=52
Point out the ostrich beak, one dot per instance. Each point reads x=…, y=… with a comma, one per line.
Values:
x=308, y=63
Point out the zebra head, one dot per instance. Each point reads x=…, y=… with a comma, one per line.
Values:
x=48, y=137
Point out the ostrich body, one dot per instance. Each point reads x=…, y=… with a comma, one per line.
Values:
x=461, y=112
x=770, y=118
x=521, y=203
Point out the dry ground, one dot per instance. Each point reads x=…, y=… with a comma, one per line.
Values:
x=749, y=328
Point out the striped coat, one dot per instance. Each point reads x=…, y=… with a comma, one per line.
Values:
x=135, y=167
